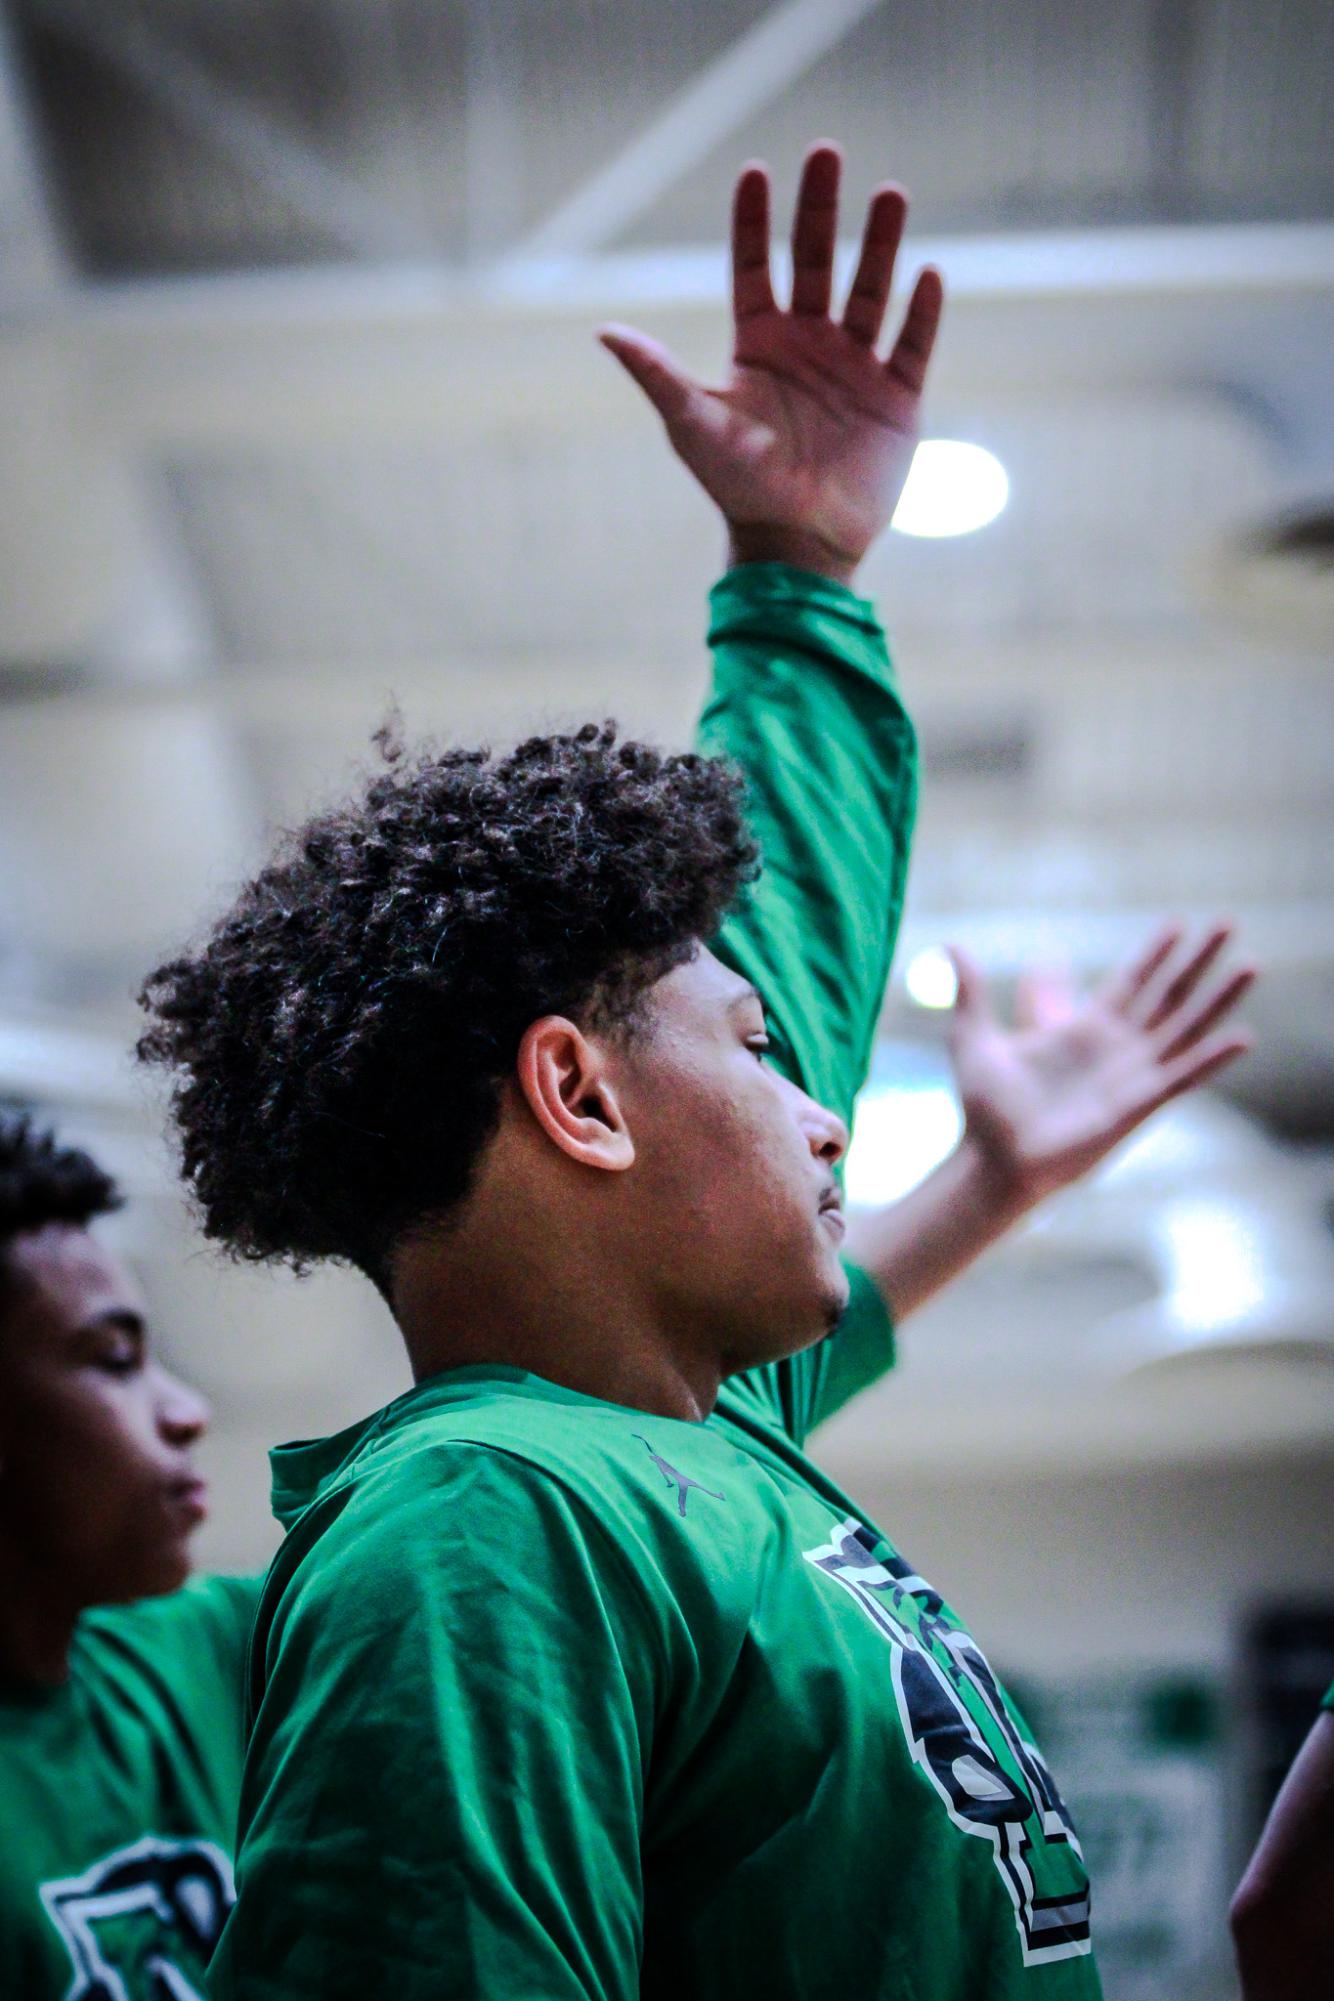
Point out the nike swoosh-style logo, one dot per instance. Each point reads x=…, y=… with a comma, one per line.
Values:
x=683, y=1482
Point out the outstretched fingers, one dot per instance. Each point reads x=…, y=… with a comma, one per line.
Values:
x=864, y=313
x=1189, y=1031
x=1197, y=1065
x=1125, y=987
x=815, y=230
x=1183, y=982
x=752, y=286
x=911, y=352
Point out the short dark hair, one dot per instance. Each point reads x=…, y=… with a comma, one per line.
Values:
x=43, y=1182
x=340, y=1038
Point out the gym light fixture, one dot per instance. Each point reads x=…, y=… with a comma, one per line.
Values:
x=951, y=489
x=930, y=978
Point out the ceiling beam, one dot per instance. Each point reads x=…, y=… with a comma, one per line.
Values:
x=33, y=265
x=331, y=202
x=1260, y=260
x=493, y=132
x=746, y=77
x=267, y=358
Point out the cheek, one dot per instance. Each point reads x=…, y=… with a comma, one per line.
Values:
x=83, y=1458
x=740, y=1169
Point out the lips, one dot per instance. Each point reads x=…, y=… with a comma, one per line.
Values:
x=831, y=1211
x=191, y=1497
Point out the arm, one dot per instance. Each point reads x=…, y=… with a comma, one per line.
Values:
x=805, y=450
x=1282, y=1916
x=1047, y=1100
x=816, y=936
x=804, y=701
x=444, y=1788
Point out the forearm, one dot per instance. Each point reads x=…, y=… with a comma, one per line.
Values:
x=804, y=700
x=915, y=1246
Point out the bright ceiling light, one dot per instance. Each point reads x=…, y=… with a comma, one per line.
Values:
x=952, y=488
x=930, y=978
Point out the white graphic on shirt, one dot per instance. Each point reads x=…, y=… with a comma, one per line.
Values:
x=166, y=1902
x=932, y=1662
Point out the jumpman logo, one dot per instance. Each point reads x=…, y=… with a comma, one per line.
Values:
x=681, y=1481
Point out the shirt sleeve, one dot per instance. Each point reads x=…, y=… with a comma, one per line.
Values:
x=803, y=1391
x=225, y=1608
x=214, y=1613
x=200, y=1638
x=804, y=700
x=445, y=1784
x=856, y=1354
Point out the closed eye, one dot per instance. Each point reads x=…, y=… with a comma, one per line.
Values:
x=115, y=1343
x=122, y=1362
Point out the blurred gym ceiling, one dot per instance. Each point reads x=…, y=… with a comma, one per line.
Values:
x=300, y=412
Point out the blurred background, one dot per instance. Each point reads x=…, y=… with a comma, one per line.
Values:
x=301, y=414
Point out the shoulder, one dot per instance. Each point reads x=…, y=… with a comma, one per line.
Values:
x=651, y=1518
x=610, y=1466
x=177, y=1663
x=207, y=1621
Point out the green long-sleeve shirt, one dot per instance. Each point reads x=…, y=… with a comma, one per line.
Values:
x=553, y=1698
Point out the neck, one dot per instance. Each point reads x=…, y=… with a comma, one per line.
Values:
x=36, y=1626
x=514, y=1286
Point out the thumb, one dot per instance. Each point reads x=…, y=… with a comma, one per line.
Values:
x=659, y=374
x=972, y=1004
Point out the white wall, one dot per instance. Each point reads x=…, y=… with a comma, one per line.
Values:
x=1077, y=1573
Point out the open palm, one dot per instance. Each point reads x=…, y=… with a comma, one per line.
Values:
x=1048, y=1098
x=812, y=436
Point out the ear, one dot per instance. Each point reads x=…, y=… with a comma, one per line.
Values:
x=565, y=1083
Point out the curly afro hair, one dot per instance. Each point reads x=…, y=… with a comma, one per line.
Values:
x=43, y=1182
x=340, y=1038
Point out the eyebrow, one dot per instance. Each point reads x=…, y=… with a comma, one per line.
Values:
x=121, y=1317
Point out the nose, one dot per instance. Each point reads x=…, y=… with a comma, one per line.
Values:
x=826, y=1134
x=182, y=1414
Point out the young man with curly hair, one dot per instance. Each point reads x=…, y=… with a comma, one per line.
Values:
x=120, y=1711
x=574, y=1675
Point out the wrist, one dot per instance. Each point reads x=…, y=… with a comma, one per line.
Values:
x=989, y=1187
x=763, y=542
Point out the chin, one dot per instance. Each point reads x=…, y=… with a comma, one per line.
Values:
x=836, y=1307
x=790, y=1327
x=836, y=1302
x=174, y=1570
x=797, y=1308
x=165, y=1571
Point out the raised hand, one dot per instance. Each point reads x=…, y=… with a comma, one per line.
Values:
x=807, y=446
x=1046, y=1100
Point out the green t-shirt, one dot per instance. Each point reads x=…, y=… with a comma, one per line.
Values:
x=118, y=1802
x=553, y=1698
